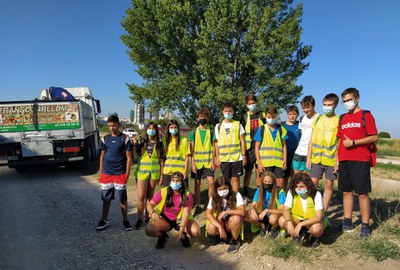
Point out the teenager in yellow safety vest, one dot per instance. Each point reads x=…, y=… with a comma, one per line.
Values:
x=177, y=152
x=225, y=213
x=230, y=147
x=322, y=149
x=251, y=121
x=202, y=148
x=303, y=211
x=150, y=163
x=270, y=146
x=170, y=209
x=266, y=208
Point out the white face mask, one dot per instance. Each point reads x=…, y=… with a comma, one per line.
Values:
x=327, y=109
x=271, y=121
x=223, y=193
x=252, y=107
x=349, y=105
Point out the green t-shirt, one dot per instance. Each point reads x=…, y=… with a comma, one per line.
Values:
x=202, y=135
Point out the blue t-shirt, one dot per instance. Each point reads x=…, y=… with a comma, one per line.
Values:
x=274, y=132
x=294, y=134
x=267, y=197
x=115, y=156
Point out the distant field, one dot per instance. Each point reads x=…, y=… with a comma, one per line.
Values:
x=388, y=147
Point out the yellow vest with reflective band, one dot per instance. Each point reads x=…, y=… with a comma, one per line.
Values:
x=175, y=161
x=161, y=205
x=271, y=152
x=324, y=140
x=148, y=165
x=248, y=138
x=229, y=148
x=202, y=150
x=297, y=208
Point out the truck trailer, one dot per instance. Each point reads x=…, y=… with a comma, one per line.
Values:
x=52, y=129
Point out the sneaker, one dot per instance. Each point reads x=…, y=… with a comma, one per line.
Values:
x=197, y=210
x=274, y=233
x=233, y=246
x=365, y=231
x=103, y=224
x=347, y=226
x=127, y=225
x=161, y=241
x=263, y=232
x=315, y=244
x=185, y=240
x=139, y=224
x=218, y=240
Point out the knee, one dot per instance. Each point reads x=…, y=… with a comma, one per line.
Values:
x=316, y=230
x=195, y=231
x=273, y=219
x=150, y=230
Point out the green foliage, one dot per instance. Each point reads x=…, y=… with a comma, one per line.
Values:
x=388, y=147
x=282, y=250
x=384, y=134
x=194, y=54
x=381, y=250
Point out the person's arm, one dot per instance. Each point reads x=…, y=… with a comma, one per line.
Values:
x=102, y=153
x=260, y=167
x=238, y=211
x=194, y=170
x=349, y=142
x=215, y=223
x=128, y=155
x=213, y=155
x=284, y=155
x=309, y=152
x=150, y=207
x=288, y=220
x=184, y=221
x=243, y=144
x=217, y=159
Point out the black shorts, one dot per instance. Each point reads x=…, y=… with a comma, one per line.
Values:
x=355, y=176
x=202, y=173
x=232, y=169
x=286, y=172
x=276, y=170
x=172, y=223
x=251, y=159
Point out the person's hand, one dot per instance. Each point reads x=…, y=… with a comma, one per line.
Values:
x=262, y=214
x=347, y=142
x=194, y=169
x=260, y=169
x=254, y=215
x=290, y=228
x=222, y=233
x=218, y=161
x=154, y=216
x=308, y=163
x=284, y=166
x=244, y=161
x=297, y=230
x=336, y=169
x=181, y=231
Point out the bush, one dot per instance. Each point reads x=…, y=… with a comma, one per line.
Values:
x=384, y=134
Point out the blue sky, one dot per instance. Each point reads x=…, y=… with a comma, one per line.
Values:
x=77, y=43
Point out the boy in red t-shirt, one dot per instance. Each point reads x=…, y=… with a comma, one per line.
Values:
x=354, y=160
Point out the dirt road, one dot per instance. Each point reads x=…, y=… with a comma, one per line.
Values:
x=48, y=219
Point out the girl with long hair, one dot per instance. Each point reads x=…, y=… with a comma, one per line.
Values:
x=225, y=213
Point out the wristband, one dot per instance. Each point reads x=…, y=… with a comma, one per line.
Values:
x=354, y=142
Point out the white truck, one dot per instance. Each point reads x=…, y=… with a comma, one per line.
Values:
x=50, y=130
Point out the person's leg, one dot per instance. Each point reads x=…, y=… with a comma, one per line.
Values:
x=317, y=229
x=157, y=228
x=365, y=207
x=192, y=228
x=273, y=220
x=328, y=192
x=197, y=184
x=151, y=188
x=212, y=230
x=141, y=200
x=106, y=208
x=234, y=224
x=246, y=182
x=124, y=209
x=348, y=203
x=235, y=183
x=210, y=186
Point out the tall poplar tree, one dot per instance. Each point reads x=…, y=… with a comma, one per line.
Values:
x=194, y=54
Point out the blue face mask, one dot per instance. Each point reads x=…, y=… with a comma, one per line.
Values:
x=327, y=110
x=301, y=192
x=151, y=132
x=270, y=121
x=252, y=107
x=175, y=185
x=173, y=131
x=228, y=116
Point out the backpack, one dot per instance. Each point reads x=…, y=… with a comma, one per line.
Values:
x=372, y=147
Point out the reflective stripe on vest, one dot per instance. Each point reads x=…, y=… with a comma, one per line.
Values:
x=324, y=140
x=297, y=208
x=175, y=160
x=229, y=148
x=271, y=152
x=202, y=150
x=161, y=205
x=247, y=135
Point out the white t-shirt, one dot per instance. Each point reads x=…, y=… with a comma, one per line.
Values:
x=239, y=201
x=227, y=127
x=306, y=130
x=317, y=201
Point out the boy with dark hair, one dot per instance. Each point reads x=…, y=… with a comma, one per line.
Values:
x=356, y=131
x=322, y=148
x=294, y=134
x=300, y=155
x=251, y=121
x=202, y=148
x=270, y=146
x=230, y=147
x=115, y=165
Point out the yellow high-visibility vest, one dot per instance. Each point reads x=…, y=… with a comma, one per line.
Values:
x=271, y=152
x=148, y=166
x=202, y=150
x=159, y=208
x=297, y=208
x=229, y=148
x=175, y=161
x=324, y=140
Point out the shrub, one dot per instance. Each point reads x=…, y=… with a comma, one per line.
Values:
x=384, y=134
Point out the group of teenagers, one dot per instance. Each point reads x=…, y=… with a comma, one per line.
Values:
x=289, y=159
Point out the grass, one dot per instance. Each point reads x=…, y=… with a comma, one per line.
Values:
x=386, y=171
x=380, y=250
x=388, y=147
